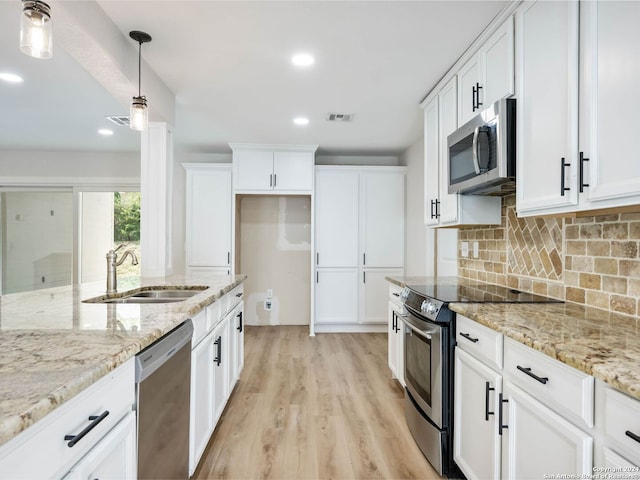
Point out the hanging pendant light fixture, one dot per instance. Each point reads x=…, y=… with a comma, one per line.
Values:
x=35, y=29
x=139, y=114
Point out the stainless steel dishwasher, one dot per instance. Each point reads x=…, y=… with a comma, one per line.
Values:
x=163, y=378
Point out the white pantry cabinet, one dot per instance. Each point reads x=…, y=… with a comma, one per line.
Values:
x=278, y=169
x=443, y=209
x=208, y=218
x=488, y=75
x=360, y=237
x=103, y=407
x=580, y=126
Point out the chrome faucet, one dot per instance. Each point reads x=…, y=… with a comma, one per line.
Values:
x=113, y=262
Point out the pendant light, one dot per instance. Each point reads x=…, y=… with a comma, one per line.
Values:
x=139, y=114
x=35, y=29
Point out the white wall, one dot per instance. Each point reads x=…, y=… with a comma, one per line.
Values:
x=377, y=160
x=419, y=241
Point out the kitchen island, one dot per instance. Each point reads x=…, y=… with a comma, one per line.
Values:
x=54, y=345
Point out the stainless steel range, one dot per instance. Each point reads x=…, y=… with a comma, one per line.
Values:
x=429, y=329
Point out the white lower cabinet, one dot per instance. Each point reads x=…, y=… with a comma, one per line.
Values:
x=395, y=334
x=217, y=358
x=374, y=294
x=538, y=442
x=114, y=458
x=336, y=291
x=477, y=446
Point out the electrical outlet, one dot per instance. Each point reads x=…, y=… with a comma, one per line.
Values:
x=475, y=250
x=269, y=293
x=267, y=304
x=465, y=249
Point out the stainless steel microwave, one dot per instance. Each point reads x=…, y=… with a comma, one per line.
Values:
x=482, y=153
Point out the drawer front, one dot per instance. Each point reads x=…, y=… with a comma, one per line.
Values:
x=213, y=314
x=483, y=343
x=560, y=387
x=622, y=424
x=199, y=327
x=394, y=294
x=45, y=440
x=235, y=296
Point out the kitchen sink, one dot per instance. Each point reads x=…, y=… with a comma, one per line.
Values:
x=153, y=295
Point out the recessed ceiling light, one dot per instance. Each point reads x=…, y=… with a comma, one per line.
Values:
x=105, y=131
x=11, y=78
x=301, y=121
x=302, y=60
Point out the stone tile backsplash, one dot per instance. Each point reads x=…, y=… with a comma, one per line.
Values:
x=591, y=260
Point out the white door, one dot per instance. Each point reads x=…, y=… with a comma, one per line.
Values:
x=431, y=160
x=547, y=110
x=496, y=58
x=208, y=234
x=538, y=440
x=382, y=213
x=253, y=170
x=609, y=120
x=293, y=171
x=221, y=368
x=447, y=124
x=374, y=293
x=336, y=300
x=477, y=446
x=201, y=422
x=113, y=458
x=468, y=82
x=336, y=204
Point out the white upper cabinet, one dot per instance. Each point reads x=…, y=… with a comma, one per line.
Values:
x=277, y=169
x=585, y=119
x=488, y=75
x=609, y=104
x=383, y=221
x=208, y=224
x=443, y=209
x=337, y=218
x=547, y=110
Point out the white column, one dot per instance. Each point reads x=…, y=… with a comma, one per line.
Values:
x=156, y=157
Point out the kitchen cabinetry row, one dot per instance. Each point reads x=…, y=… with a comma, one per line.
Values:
x=580, y=126
x=217, y=359
x=521, y=414
x=360, y=231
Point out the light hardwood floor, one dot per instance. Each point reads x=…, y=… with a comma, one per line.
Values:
x=321, y=407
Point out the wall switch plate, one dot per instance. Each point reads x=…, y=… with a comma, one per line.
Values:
x=475, y=250
x=465, y=249
x=269, y=293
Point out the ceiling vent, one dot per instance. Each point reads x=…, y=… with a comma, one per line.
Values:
x=121, y=121
x=339, y=117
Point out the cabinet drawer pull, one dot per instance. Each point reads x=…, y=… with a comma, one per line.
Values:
x=95, y=420
x=469, y=337
x=632, y=436
x=582, y=160
x=396, y=294
x=528, y=371
x=500, y=415
x=563, y=166
x=487, y=389
x=239, y=294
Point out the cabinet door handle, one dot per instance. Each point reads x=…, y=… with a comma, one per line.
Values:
x=437, y=209
x=275, y=180
x=563, y=165
x=582, y=160
x=218, y=358
x=95, y=420
x=364, y=258
x=317, y=277
x=473, y=98
x=478, y=102
x=469, y=337
x=364, y=277
x=487, y=389
x=271, y=180
x=394, y=319
x=239, y=327
x=500, y=415
x=228, y=258
x=632, y=436
x=528, y=371
x=317, y=258
x=432, y=214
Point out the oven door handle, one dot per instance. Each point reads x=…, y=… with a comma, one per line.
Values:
x=423, y=333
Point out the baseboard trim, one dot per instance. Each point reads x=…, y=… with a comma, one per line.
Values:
x=350, y=328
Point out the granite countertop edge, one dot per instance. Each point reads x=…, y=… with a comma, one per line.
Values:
x=12, y=424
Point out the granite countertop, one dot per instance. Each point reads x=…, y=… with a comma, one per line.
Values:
x=600, y=343
x=54, y=345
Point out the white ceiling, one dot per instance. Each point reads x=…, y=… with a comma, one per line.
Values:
x=228, y=64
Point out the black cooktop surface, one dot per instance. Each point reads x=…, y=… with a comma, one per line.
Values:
x=477, y=293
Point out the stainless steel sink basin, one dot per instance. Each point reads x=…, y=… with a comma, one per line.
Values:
x=153, y=295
